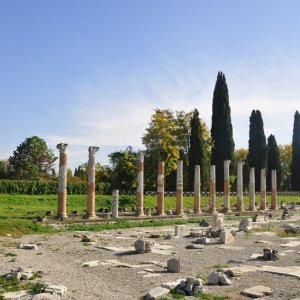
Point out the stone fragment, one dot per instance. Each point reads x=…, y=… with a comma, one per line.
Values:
x=235, y=261
x=180, y=230
x=143, y=246
x=173, y=265
x=226, y=237
x=169, y=212
x=171, y=285
x=213, y=278
x=15, y=295
x=194, y=246
x=46, y=296
x=202, y=240
x=257, y=291
x=93, y=263
x=28, y=247
x=156, y=293
x=245, y=225
x=196, y=233
x=88, y=238
x=224, y=279
x=293, y=271
x=216, y=221
x=57, y=289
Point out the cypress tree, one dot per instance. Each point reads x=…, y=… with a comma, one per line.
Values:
x=295, y=167
x=221, y=130
x=257, y=155
x=197, y=152
x=273, y=160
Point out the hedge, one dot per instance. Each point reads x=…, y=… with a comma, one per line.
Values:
x=31, y=187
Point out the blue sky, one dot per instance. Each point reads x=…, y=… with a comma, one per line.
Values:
x=91, y=72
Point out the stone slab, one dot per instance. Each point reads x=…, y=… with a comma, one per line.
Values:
x=237, y=271
x=257, y=291
x=291, y=244
x=16, y=295
x=293, y=271
x=151, y=275
x=93, y=263
x=156, y=293
x=171, y=285
x=227, y=247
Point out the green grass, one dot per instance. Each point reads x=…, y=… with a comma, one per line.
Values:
x=17, y=212
x=211, y=297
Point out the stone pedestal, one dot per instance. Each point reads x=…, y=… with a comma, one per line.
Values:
x=226, y=187
x=140, y=187
x=252, y=190
x=197, y=190
x=179, y=188
x=161, y=188
x=115, y=204
x=274, y=190
x=240, y=206
x=212, y=189
x=90, y=204
x=263, y=189
x=62, y=181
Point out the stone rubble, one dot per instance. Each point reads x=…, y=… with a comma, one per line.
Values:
x=218, y=277
x=190, y=287
x=245, y=225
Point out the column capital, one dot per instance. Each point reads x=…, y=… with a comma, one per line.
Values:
x=93, y=149
x=62, y=147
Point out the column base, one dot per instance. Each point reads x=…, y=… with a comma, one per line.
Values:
x=179, y=213
x=90, y=217
x=262, y=208
x=252, y=209
x=212, y=210
x=198, y=212
x=273, y=207
x=139, y=214
x=61, y=216
x=226, y=210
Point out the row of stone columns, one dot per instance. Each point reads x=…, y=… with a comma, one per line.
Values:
x=212, y=188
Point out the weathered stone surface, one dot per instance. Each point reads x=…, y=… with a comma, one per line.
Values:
x=194, y=246
x=171, y=285
x=229, y=247
x=216, y=221
x=58, y=289
x=213, y=278
x=173, y=265
x=291, y=244
x=93, y=263
x=46, y=296
x=156, y=293
x=245, y=225
x=16, y=295
x=224, y=279
x=202, y=240
x=143, y=246
x=226, y=237
x=196, y=233
x=257, y=291
x=29, y=247
x=293, y=271
x=180, y=230
x=235, y=261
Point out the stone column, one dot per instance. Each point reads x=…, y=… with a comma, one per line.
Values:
x=263, y=188
x=115, y=204
x=197, y=190
x=179, y=188
x=62, y=181
x=274, y=190
x=161, y=188
x=252, y=189
x=226, y=186
x=240, y=186
x=90, y=204
x=212, y=190
x=139, y=212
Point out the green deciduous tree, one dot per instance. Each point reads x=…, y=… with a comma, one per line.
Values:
x=5, y=169
x=286, y=161
x=124, y=173
x=198, y=152
x=32, y=159
x=295, y=167
x=221, y=130
x=257, y=156
x=273, y=162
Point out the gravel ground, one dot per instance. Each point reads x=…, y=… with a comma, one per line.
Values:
x=60, y=258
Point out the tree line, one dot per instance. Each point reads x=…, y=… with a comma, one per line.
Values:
x=171, y=136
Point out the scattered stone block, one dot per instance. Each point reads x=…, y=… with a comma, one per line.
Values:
x=245, y=225
x=143, y=246
x=202, y=240
x=28, y=247
x=179, y=230
x=196, y=233
x=194, y=246
x=173, y=265
x=224, y=279
x=15, y=295
x=190, y=287
x=171, y=285
x=216, y=221
x=157, y=293
x=46, y=296
x=93, y=263
x=88, y=238
x=58, y=289
x=235, y=261
x=213, y=278
x=226, y=237
x=257, y=291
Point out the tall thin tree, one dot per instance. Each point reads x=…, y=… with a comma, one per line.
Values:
x=198, y=152
x=221, y=129
x=295, y=167
x=274, y=163
x=257, y=155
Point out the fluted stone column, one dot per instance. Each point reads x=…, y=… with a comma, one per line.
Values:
x=226, y=186
x=90, y=204
x=240, y=206
x=274, y=190
x=263, y=189
x=197, y=190
x=212, y=189
x=179, y=188
x=161, y=188
x=140, y=187
x=115, y=204
x=252, y=190
x=62, y=181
